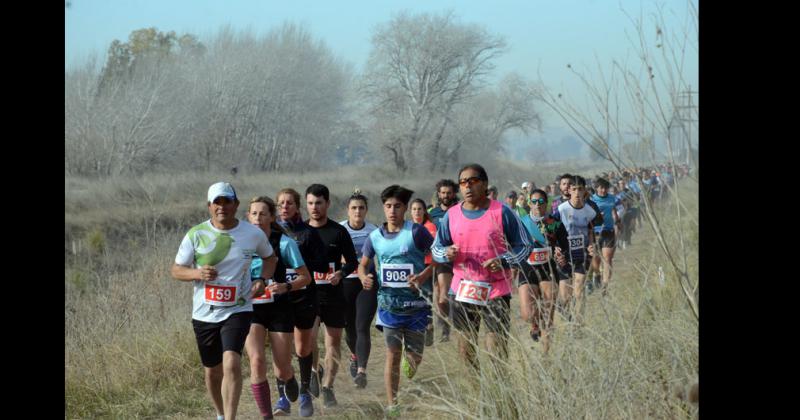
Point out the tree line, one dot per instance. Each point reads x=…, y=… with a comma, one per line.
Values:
x=286, y=101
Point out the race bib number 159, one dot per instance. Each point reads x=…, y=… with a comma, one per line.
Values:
x=220, y=295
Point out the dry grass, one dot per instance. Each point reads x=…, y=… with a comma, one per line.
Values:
x=130, y=350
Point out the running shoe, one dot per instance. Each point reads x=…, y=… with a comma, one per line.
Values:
x=282, y=408
x=328, y=398
x=353, y=366
x=393, y=411
x=306, y=406
x=361, y=380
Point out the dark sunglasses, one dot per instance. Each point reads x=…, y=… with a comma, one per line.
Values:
x=471, y=181
x=538, y=201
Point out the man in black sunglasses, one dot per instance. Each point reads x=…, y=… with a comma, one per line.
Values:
x=484, y=240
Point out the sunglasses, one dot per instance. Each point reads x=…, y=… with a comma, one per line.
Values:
x=469, y=181
x=538, y=201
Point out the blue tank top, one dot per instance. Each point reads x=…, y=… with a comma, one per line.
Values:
x=395, y=259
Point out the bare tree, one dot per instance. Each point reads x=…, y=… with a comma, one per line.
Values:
x=422, y=66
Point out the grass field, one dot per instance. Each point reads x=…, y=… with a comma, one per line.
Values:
x=130, y=350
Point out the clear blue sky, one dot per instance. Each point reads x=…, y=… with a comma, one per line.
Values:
x=542, y=35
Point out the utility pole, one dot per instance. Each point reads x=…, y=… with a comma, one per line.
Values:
x=680, y=126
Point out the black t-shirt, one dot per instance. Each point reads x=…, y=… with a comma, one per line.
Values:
x=312, y=250
x=337, y=243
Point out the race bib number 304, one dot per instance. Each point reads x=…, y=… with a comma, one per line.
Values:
x=539, y=256
x=267, y=297
x=220, y=295
x=575, y=242
x=396, y=275
x=475, y=292
x=322, y=278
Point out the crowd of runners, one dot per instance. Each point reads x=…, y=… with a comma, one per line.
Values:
x=419, y=272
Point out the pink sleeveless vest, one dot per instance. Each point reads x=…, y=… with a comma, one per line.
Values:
x=479, y=240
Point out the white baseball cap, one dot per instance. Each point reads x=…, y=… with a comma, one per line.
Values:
x=525, y=184
x=221, y=189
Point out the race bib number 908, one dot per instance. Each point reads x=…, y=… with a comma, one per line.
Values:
x=396, y=275
x=475, y=292
x=220, y=295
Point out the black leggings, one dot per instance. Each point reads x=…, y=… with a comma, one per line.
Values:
x=361, y=307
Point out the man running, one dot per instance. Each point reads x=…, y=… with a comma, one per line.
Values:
x=446, y=196
x=215, y=256
x=578, y=218
x=399, y=249
x=605, y=232
x=483, y=239
x=330, y=297
x=361, y=303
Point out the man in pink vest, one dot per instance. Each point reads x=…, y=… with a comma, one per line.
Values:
x=483, y=239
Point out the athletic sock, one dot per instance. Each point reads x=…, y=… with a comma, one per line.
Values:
x=261, y=394
x=305, y=372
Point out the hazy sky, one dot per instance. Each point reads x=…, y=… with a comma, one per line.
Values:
x=542, y=35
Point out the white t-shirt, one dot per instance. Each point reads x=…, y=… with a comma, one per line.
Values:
x=230, y=252
x=576, y=221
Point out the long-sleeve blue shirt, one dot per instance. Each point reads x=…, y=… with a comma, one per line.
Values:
x=519, y=241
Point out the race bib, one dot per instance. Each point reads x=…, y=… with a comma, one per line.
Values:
x=396, y=275
x=320, y=278
x=539, y=256
x=475, y=292
x=267, y=297
x=291, y=276
x=220, y=295
x=575, y=242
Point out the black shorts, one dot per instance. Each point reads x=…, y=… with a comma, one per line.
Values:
x=333, y=315
x=606, y=239
x=305, y=313
x=275, y=316
x=533, y=274
x=214, y=338
x=446, y=268
x=496, y=315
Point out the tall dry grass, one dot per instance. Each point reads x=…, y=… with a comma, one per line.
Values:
x=130, y=351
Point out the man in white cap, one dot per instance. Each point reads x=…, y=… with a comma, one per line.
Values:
x=215, y=256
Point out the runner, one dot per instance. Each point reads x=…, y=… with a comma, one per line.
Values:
x=483, y=239
x=492, y=192
x=399, y=248
x=549, y=239
x=273, y=311
x=420, y=216
x=215, y=255
x=361, y=303
x=446, y=196
x=606, y=238
x=577, y=217
x=304, y=300
x=330, y=297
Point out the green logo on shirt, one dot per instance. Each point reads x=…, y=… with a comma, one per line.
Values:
x=210, y=247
